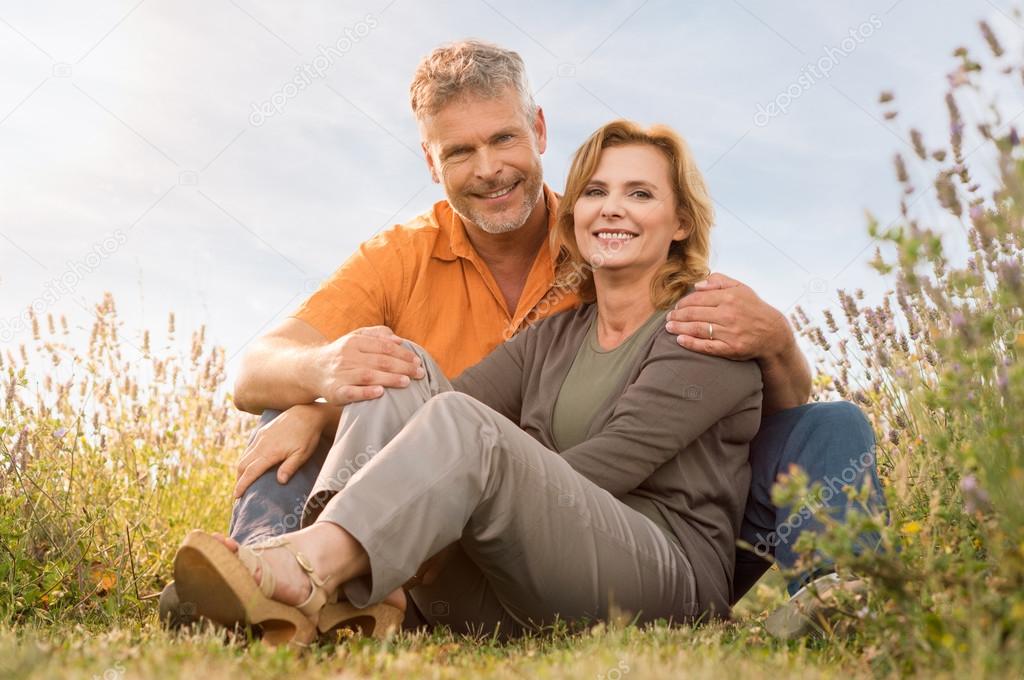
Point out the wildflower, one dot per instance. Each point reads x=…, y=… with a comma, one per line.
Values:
x=975, y=498
x=911, y=528
x=990, y=38
x=958, y=77
x=60, y=432
x=901, y=169
x=918, y=143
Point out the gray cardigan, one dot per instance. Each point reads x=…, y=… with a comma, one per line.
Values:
x=675, y=437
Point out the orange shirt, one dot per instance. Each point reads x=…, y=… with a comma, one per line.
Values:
x=427, y=283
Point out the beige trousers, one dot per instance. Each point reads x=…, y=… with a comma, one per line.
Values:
x=424, y=467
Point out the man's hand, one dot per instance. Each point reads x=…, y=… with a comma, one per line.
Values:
x=289, y=439
x=358, y=366
x=726, y=318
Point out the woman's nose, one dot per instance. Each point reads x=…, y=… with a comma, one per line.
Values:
x=610, y=207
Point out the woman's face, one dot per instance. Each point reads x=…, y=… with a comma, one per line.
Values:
x=626, y=216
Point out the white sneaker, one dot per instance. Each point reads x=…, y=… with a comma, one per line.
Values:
x=813, y=608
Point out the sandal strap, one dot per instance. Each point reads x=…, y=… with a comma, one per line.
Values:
x=252, y=560
x=318, y=595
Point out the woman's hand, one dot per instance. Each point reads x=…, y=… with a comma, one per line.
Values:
x=359, y=365
x=289, y=439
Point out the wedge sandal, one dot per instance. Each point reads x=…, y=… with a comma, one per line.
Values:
x=219, y=586
x=376, y=621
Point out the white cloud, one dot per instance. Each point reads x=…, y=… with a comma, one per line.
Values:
x=299, y=192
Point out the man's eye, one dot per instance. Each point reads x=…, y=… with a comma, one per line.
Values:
x=506, y=138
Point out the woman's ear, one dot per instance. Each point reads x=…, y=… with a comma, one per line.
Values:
x=682, y=232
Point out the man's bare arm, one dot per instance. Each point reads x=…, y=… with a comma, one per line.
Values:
x=295, y=364
x=726, y=318
x=276, y=369
x=786, y=375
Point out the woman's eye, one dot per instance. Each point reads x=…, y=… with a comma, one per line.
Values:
x=592, y=192
x=642, y=194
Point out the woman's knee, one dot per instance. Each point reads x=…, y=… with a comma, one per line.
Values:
x=452, y=403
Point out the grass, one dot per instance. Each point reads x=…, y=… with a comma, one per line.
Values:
x=605, y=651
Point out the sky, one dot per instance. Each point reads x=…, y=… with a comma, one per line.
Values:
x=220, y=158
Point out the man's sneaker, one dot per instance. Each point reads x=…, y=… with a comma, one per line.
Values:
x=174, y=614
x=813, y=608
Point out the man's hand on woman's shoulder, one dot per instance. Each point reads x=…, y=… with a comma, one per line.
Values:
x=726, y=318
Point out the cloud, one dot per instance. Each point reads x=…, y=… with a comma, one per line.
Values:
x=261, y=210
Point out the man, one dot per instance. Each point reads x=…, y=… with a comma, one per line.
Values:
x=464, y=276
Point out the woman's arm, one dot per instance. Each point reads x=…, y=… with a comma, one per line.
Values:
x=497, y=379
x=678, y=395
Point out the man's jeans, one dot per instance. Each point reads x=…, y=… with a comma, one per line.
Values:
x=832, y=442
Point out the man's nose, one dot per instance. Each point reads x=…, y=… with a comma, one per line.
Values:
x=488, y=165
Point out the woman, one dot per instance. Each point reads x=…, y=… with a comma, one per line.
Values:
x=587, y=463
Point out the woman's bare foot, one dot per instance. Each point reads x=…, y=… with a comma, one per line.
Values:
x=292, y=585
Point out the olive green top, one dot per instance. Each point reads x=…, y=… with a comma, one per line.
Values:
x=595, y=376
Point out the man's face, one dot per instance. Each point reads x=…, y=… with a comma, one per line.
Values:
x=486, y=153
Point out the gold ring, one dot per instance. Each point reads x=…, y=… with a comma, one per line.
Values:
x=711, y=332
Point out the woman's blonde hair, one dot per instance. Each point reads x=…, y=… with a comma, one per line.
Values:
x=687, y=260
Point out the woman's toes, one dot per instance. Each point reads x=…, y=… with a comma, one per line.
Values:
x=229, y=542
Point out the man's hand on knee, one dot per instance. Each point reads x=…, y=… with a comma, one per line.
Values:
x=359, y=365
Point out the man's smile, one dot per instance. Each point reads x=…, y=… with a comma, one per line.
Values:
x=498, y=194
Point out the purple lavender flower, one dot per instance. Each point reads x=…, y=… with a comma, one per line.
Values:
x=975, y=498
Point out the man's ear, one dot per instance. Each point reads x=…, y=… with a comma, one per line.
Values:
x=435, y=174
x=540, y=130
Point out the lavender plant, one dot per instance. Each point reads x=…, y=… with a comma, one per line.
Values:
x=937, y=366
x=107, y=458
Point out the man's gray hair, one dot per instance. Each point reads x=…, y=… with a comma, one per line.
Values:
x=468, y=67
